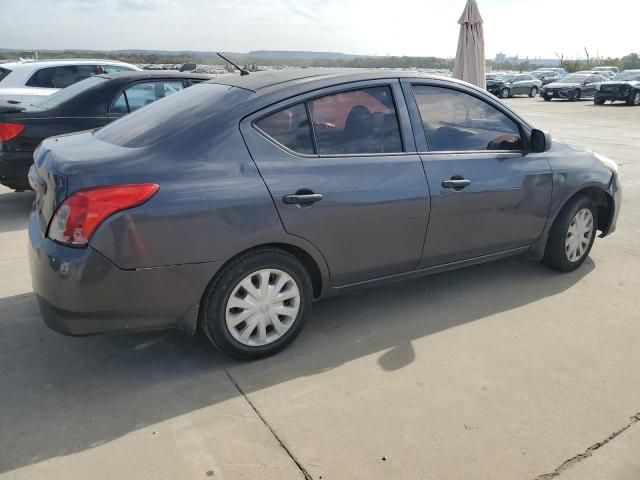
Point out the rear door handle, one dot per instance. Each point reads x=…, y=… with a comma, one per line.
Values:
x=456, y=183
x=302, y=198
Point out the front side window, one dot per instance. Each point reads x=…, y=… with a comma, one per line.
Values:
x=290, y=128
x=457, y=121
x=144, y=93
x=356, y=121
x=4, y=72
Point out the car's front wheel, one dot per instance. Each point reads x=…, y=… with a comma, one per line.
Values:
x=547, y=98
x=504, y=93
x=572, y=234
x=598, y=100
x=575, y=96
x=257, y=304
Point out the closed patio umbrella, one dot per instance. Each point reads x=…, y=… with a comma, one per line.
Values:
x=469, y=65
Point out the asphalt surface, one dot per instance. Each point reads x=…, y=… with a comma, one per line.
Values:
x=501, y=371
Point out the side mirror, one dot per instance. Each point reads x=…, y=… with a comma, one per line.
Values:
x=540, y=141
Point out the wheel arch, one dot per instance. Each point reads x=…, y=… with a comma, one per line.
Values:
x=604, y=207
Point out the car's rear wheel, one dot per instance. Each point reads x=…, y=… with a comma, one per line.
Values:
x=598, y=100
x=572, y=234
x=634, y=99
x=257, y=304
x=575, y=96
x=504, y=93
x=533, y=92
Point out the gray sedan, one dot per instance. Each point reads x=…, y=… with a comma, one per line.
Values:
x=230, y=207
x=505, y=86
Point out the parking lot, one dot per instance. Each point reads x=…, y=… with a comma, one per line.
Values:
x=506, y=370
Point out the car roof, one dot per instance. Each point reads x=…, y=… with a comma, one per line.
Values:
x=33, y=64
x=147, y=74
x=272, y=80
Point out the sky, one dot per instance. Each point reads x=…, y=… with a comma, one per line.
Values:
x=528, y=28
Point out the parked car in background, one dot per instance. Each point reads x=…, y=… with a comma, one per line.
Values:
x=606, y=74
x=624, y=87
x=546, y=76
x=230, y=207
x=615, y=70
x=90, y=103
x=491, y=76
x=560, y=71
x=32, y=80
x=573, y=87
x=507, y=85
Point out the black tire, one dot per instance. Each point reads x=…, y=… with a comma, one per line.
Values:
x=598, y=100
x=555, y=255
x=634, y=98
x=575, y=96
x=504, y=93
x=547, y=99
x=213, y=319
x=533, y=92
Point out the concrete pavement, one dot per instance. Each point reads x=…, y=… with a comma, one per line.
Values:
x=501, y=371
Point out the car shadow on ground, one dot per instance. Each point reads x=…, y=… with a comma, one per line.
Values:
x=63, y=395
x=14, y=210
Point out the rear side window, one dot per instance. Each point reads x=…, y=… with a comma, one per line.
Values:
x=61, y=77
x=290, y=128
x=115, y=68
x=174, y=115
x=356, y=121
x=3, y=73
x=456, y=121
x=140, y=94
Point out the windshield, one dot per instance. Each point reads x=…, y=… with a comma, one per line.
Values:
x=172, y=115
x=628, y=76
x=58, y=98
x=574, y=79
x=505, y=78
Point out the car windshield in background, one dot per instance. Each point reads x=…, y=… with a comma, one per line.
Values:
x=505, y=78
x=58, y=98
x=574, y=79
x=628, y=76
x=4, y=72
x=171, y=115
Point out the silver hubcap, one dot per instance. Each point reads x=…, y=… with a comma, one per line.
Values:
x=262, y=307
x=579, y=235
x=636, y=99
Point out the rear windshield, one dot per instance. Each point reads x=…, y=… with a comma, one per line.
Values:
x=61, y=96
x=171, y=115
x=4, y=72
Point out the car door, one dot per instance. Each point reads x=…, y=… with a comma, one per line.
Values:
x=520, y=85
x=589, y=89
x=488, y=195
x=352, y=184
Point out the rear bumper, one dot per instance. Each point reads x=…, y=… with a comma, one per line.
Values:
x=14, y=169
x=80, y=292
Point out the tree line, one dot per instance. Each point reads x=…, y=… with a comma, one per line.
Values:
x=631, y=61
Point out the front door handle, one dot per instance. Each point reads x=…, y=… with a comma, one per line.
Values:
x=456, y=183
x=302, y=198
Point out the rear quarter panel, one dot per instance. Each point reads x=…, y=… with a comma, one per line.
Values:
x=212, y=204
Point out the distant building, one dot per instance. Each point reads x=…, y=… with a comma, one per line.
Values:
x=516, y=60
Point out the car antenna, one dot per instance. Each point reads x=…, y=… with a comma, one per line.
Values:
x=242, y=72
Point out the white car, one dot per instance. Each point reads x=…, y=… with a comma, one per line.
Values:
x=28, y=81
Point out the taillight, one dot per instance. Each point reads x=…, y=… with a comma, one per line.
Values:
x=82, y=213
x=9, y=131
